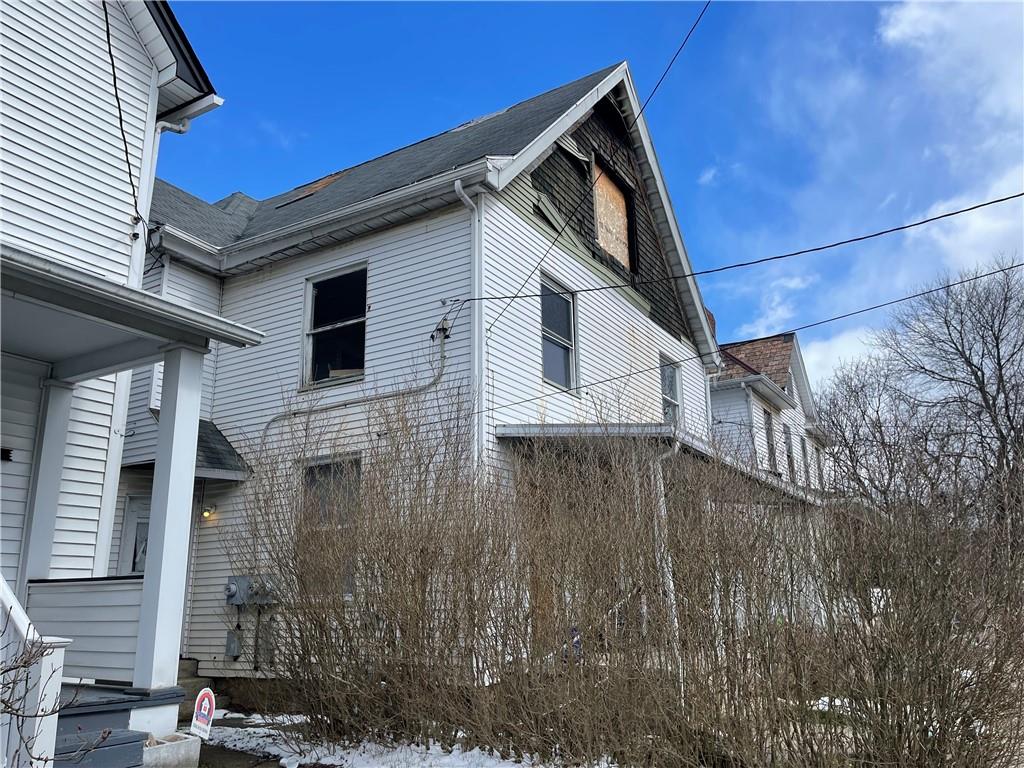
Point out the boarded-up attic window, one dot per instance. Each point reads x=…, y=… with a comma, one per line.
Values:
x=611, y=212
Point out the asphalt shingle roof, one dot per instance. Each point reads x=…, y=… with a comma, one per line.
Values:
x=214, y=451
x=500, y=134
x=770, y=356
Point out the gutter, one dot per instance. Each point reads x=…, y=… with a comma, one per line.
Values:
x=268, y=242
x=763, y=385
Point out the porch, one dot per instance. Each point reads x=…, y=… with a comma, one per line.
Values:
x=74, y=326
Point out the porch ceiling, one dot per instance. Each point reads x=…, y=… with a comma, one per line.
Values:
x=86, y=326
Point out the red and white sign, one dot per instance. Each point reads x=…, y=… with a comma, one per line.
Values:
x=202, y=716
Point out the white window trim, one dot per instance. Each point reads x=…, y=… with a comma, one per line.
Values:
x=668, y=362
x=306, y=374
x=554, y=285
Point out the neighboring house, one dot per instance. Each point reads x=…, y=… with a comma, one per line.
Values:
x=763, y=411
x=353, y=276
x=78, y=152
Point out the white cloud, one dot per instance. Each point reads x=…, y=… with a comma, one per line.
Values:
x=823, y=356
x=707, y=176
x=778, y=306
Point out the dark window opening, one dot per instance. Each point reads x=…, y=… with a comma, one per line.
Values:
x=787, y=437
x=337, y=332
x=330, y=504
x=670, y=396
x=807, y=462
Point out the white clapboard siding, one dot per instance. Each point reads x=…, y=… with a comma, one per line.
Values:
x=614, y=337
x=140, y=424
x=797, y=421
x=410, y=269
x=20, y=396
x=81, y=484
x=733, y=430
x=66, y=185
x=101, y=616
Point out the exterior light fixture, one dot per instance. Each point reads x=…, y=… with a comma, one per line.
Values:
x=209, y=511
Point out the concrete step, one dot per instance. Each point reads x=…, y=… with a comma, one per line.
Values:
x=188, y=668
x=118, y=748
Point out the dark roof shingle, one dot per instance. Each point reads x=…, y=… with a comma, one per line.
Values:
x=502, y=133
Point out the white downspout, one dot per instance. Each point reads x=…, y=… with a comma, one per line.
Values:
x=477, y=335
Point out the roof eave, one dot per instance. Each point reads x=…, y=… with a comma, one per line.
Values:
x=761, y=384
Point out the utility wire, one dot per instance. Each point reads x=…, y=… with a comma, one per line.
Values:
x=600, y=173
x=120, y=122
x=766, y=259
x=804, y=327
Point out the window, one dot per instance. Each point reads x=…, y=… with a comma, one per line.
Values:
x=558, y=330
x=330, y=505
x=332, y=492
x=769, y=433
x=787, y=437
x=821, y=468
x=611, y=216
x=134, y=536
x=670, y=395
x=806, y=460
x=336, y=335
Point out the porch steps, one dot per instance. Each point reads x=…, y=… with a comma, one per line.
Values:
x=92, y=728
x=192, y=683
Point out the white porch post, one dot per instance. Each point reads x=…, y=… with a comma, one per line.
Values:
x=163, y=591
x=44, y=493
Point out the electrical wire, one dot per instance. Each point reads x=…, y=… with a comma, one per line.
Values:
x=798, y=328
x=600, y=172
x=120, y=120
x=765, y=259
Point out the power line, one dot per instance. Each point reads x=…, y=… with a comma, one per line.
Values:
x=600, y=173
x=804, y=327
x=764, y=260
x=120, y=122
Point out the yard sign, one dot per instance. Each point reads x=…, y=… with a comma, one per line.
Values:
x=202, y=717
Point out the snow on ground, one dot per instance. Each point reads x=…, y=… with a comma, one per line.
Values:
x=269, y=741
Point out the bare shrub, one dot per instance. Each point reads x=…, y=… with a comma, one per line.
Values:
x=599, y=598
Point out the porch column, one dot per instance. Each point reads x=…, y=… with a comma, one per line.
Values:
x=163, y=591
x=44, y=493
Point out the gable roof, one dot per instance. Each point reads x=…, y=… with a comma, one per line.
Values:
x=500, y=134
x=771, y=356
x=505, y=143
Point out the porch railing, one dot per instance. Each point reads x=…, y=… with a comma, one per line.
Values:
x=101, y=615
x=32, y=668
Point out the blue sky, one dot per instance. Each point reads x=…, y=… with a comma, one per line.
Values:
x=781, y=126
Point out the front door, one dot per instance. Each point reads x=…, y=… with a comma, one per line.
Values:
x=134, y=536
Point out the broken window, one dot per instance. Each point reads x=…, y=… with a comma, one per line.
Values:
x=558, y=335
x=670, y=397
x=769, y=432
x=611, y=216
x=337, y=327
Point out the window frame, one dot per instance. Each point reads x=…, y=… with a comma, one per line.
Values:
x=821, y=467
x=787, y=440
x=305, y=466
x=601, y=163
x=308, y=332
x=770, y=438
x=669, y=363
x=806, y=458
x=546, y=281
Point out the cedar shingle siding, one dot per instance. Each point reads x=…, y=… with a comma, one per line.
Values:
x=565, y=180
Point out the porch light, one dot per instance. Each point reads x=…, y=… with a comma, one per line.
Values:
x=209, y=511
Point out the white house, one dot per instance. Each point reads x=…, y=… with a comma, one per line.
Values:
x=357, y=280
x=763, y=411
x=86, y=91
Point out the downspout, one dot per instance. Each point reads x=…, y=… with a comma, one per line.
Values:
x=664, y=559
x=478, y=340
x=440, y=333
